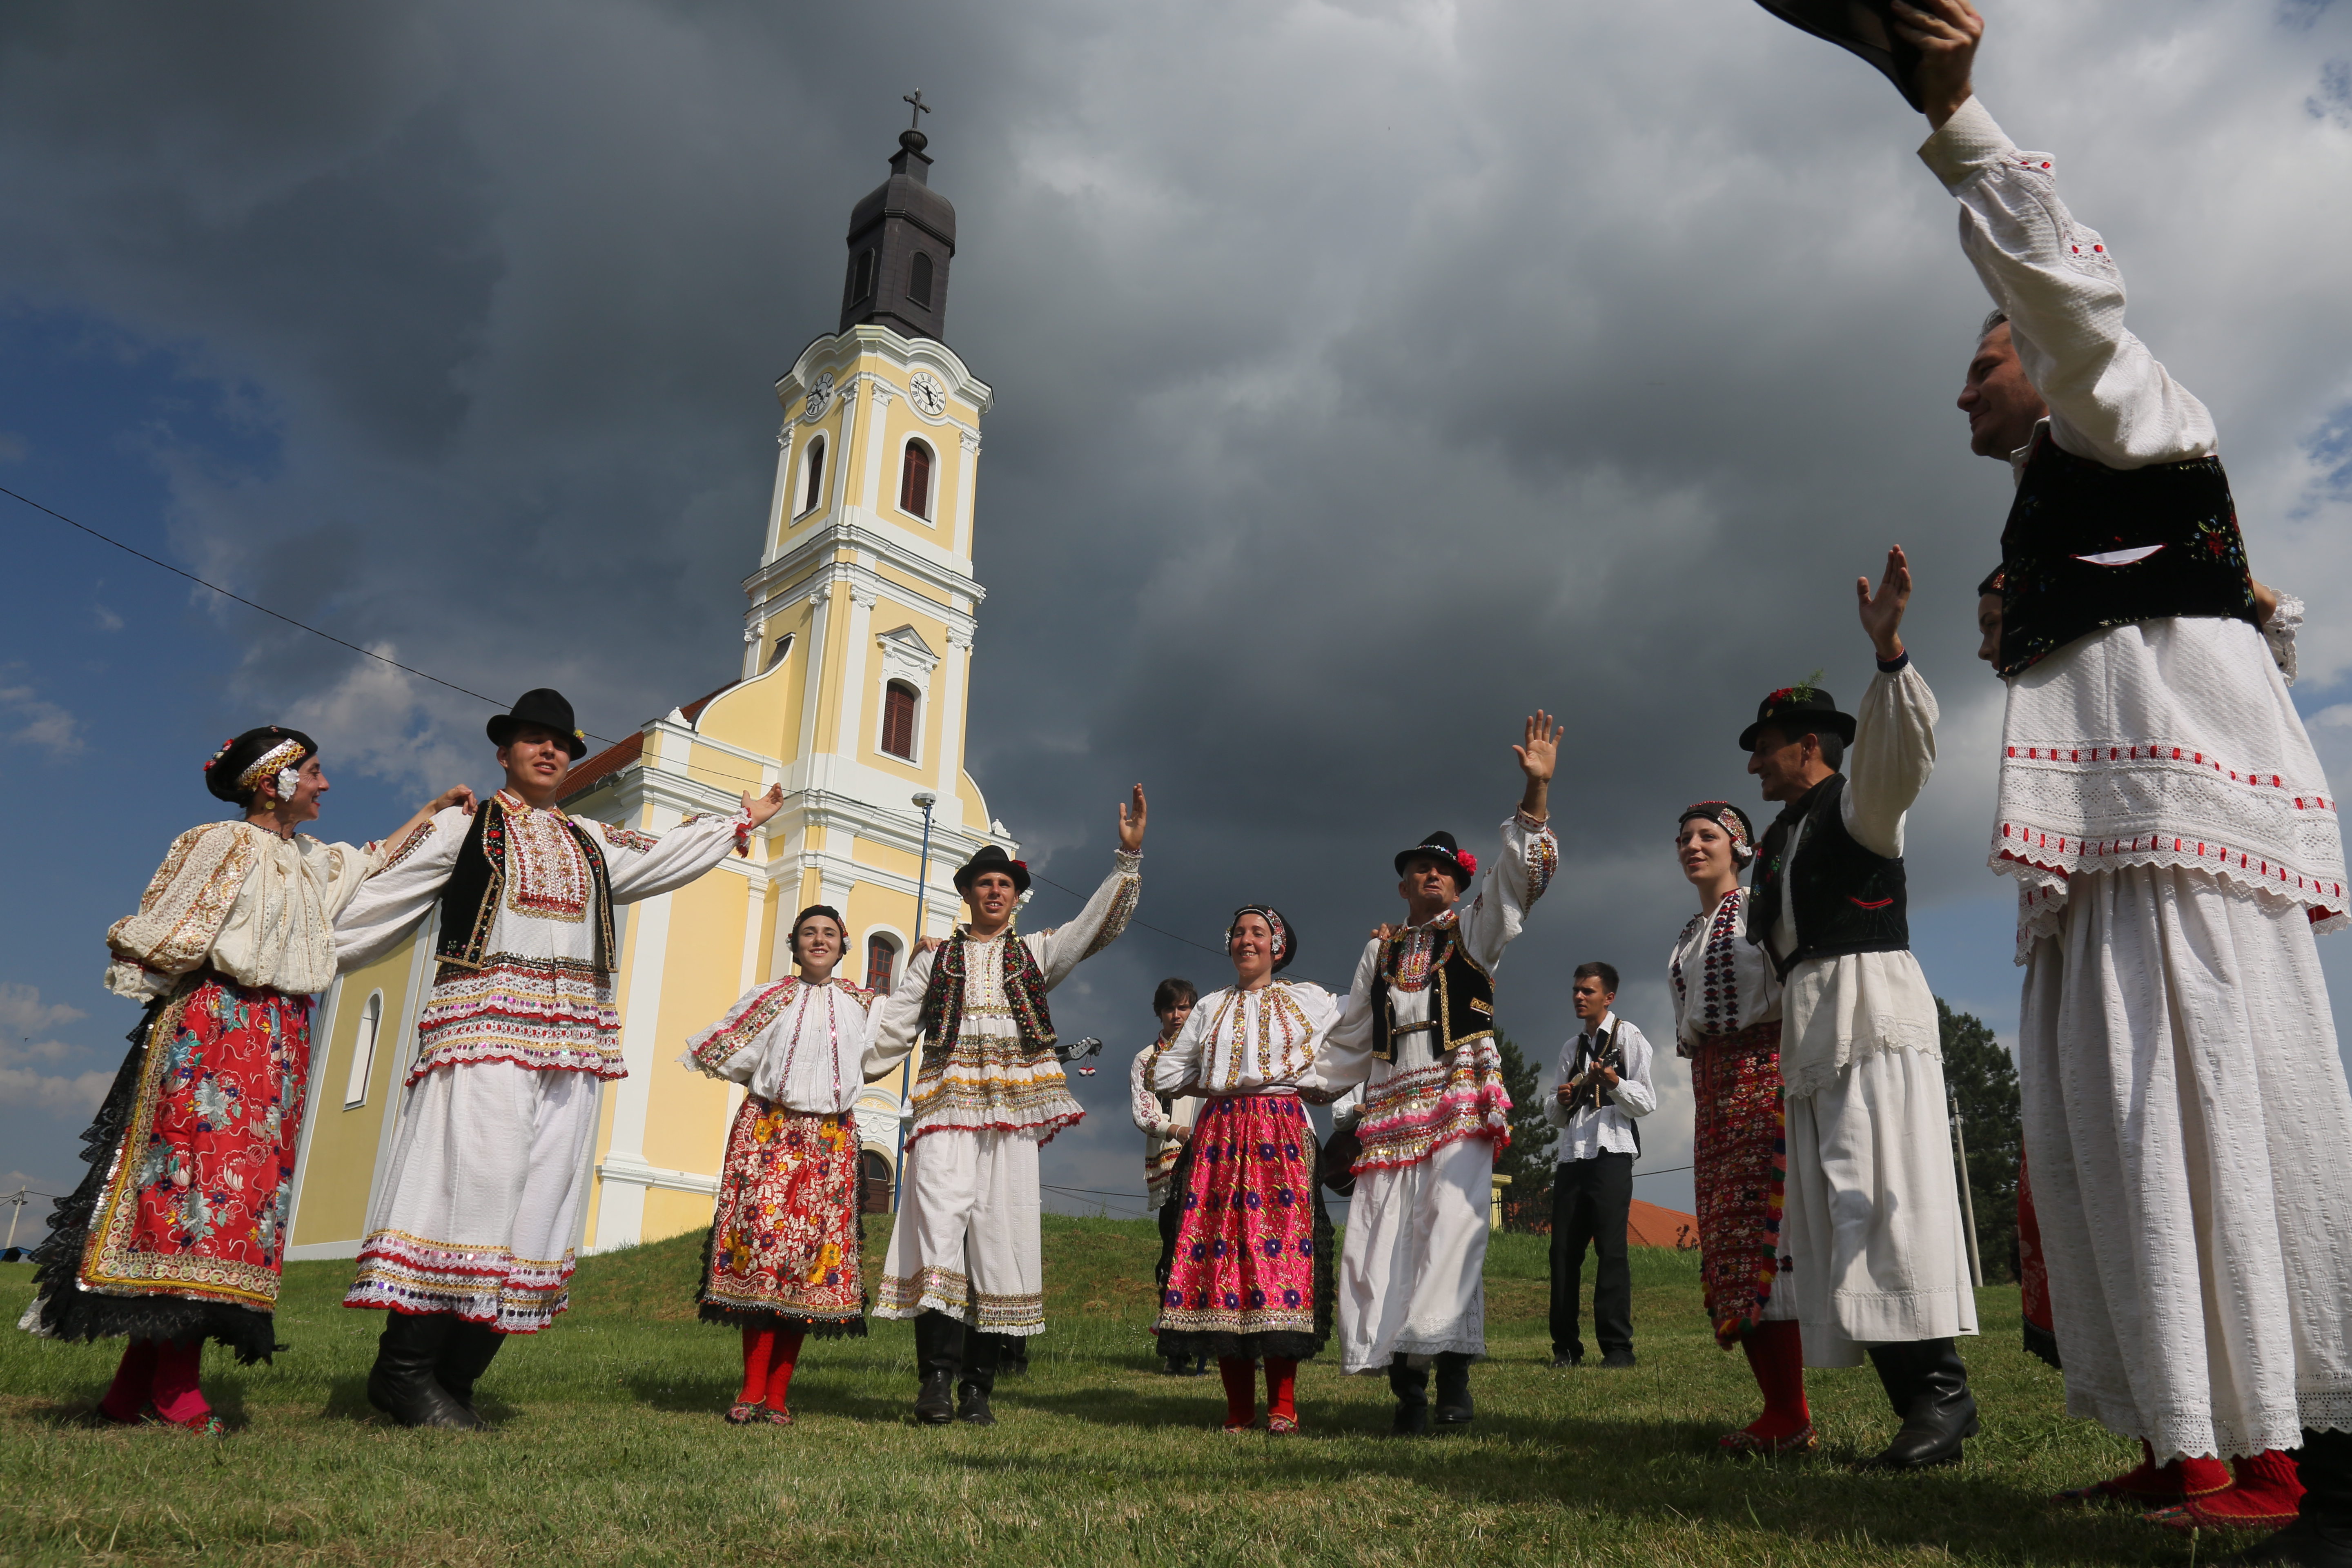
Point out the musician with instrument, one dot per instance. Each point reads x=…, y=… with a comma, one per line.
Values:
x=1605, y=1088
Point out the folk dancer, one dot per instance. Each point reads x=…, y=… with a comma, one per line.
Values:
x=1872, y=1221
x=786, y=1258
x=1166, y=1124
x=177, y=1234
x=2175, y=846
x=1728, y=1023
x=469, y=1240
x=1605, y=1088
x=964, y=1256
x=1418, y=1035
x=1251, y=1279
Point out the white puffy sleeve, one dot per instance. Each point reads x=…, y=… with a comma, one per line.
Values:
x=1096, y=927
x=1176, y=1065
x=1347, y=1055
x=897, y=1019
x=731, y=1049
x=1143, y=1105
x=393, y=901
x=641, y=864
x=186, y=903
x=1634, y=1094
x=2279, y=631
x=1893, y=751
x=1508, y=888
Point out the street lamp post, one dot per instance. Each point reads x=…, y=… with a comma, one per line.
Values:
x=1968, y=1197
x=926, y=799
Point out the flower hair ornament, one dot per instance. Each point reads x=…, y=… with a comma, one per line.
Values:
x=284, y=760
x=1731, y=819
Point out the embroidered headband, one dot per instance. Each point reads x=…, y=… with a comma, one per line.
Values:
x=1731, y=819
x=280, y=755
x=1284, y=944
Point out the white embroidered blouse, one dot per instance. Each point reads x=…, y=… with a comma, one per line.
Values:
x=1248, y=1042
x=1165, y=1124
x=2166, y=743
x=792, y=1043
x=239, y=899
x=1722, y=983
x=537, y=1000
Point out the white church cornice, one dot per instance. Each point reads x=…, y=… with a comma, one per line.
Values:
x=960, y=595
x=832, y=353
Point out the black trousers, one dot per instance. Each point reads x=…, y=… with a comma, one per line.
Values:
x=1590, y=1201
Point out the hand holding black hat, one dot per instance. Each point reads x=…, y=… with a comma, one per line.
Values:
x=1945, y=33
x=1882, y=612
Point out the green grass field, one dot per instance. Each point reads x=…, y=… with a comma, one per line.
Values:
x=608, y=1448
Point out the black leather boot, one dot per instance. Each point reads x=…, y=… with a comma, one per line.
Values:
x=1410, y=1384
x=978, y=1381
x=401, y=1384
x=938, y=1353
x=1927, y=1385
x=1455, y=1411
x=2321, y=1536
x=464, y=1356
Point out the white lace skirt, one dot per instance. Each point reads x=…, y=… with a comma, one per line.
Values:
x=1413, y=1270
x=2189, y=1132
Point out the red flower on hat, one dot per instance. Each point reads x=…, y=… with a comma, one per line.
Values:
x=1023, y=864
x=1782, y=695
x=1469, y=862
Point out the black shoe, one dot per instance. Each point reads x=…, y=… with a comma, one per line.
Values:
x=1410, y=1384
x=464, y=1356
x=2305, y=1543
x=972, y=1406
x=1619, y=1358
x=401, y=1384
x=1562, y=1362
x=935, y=1405
x=1927, y=1385
x=1455, y=1410
x=1176, y=1366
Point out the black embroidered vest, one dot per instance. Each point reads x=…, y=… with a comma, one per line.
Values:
x=470, y=899
x=1461, y=1010
x=2069, y=506
x=1024, y=991
x=1846, y=898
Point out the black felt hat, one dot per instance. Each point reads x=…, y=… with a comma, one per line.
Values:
x=1864, y=27
x=1796, y=711
x=545, y=707
x=1440, y=846
x=992, y=857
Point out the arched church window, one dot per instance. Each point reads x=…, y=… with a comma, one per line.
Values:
x=881, y=964
x=918, y=280
x=812, y=478
x=783, y=647
x=898, y=719
x=861, y=275
x=363, y=1051
x=915, y=480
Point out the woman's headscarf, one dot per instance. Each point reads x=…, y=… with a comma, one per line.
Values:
x=1285, y=943
x=793, y=939
x=1731, y=819
x=236, y=770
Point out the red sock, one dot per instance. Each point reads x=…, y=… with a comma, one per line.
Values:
x=1776, y=1354
x=132, y=1381
x=176, y=1398
x=758, y=1345
x=2264, y=1493
x=1240, y=1390
x=1281, y=1387
x=780, y=1365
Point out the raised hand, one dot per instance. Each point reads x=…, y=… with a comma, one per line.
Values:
x=1131, y=822
x=1945, y=33
x=1882, y=612
x=1539, y=755
x=759, y=807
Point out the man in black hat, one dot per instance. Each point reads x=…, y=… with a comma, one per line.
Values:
x=1872, y=1214
x=2175, y=847
x=964, y=1258
x=1418, y=1038
x=471, y=1237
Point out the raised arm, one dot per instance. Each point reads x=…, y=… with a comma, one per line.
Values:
x=393, y=901
x=642, y=865
x=1894, y=748
x=2109, y=398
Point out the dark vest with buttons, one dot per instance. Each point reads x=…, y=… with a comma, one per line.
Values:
x=2069, y=506
x=470, y=899
x=1846, y=898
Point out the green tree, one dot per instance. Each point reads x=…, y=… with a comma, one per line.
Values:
x=1983, y=1080
x=1527, y=1202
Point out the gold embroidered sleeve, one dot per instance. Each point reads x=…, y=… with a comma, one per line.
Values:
x=183, y=909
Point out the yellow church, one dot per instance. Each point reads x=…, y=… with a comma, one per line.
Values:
x=857, y=655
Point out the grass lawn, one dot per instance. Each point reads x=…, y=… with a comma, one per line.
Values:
x=607, y=1445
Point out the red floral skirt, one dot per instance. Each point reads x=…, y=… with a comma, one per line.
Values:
x=786, y=1240
x=179, y=1229
x=1251, y=1270
x=1739, y=1155
x=2034, y=1275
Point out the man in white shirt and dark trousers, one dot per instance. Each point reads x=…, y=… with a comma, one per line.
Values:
x=1604, y=1085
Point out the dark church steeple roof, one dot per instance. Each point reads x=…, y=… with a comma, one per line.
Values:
x=902, y=239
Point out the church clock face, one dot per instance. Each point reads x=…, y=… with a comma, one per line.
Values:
x=819, y=397
x=925, y=393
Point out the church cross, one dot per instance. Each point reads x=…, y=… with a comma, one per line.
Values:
x=921, y=108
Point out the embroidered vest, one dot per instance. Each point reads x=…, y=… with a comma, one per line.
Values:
x=1461, y=1010
x=1025, y=990
x=470, y=899
x=2069, y=506
x=1846, y=898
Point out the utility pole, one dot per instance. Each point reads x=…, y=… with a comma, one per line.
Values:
x=926, y=799
x=1967, y=1198
x=20, y=1197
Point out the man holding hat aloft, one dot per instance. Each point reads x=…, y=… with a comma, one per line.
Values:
x=1873, y=1220
x=1418, y=1037
x=964, y=1259
x=471, y=1240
